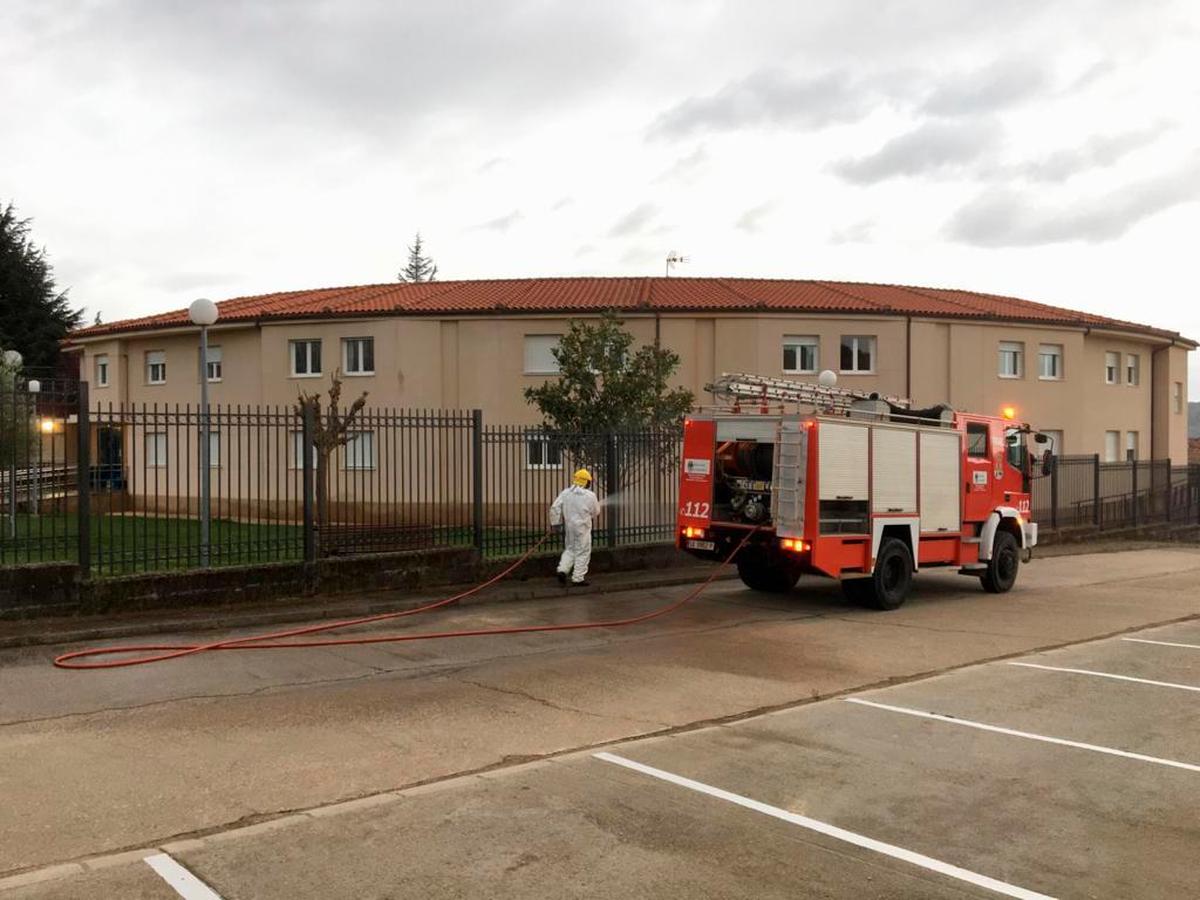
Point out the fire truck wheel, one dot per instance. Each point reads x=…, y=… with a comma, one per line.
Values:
x=893, y=576
x=759, y=575
x=1001, y=572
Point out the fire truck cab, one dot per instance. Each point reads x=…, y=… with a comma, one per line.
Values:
x=857, y=487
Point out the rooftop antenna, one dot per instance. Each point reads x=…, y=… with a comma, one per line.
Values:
x=673, y=259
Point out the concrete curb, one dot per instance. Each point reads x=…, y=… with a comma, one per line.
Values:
x=69, y=631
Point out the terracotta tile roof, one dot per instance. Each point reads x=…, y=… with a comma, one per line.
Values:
x=581, y=295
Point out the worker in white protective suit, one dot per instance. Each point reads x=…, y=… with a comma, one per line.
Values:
x=574, y=509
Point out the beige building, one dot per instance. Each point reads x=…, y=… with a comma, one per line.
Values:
x=1100, y=385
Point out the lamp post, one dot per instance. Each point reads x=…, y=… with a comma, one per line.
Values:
x=203, y=313
x=35, y=388
x=12, y=361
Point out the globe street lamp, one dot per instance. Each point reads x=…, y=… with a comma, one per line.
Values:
x=203, y=313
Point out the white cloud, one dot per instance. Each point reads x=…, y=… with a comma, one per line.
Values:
x=166, y=150
x=1006, y=218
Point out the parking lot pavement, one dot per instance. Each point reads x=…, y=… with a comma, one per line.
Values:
x=1066, y=773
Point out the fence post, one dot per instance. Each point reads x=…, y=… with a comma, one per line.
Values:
x=477, y=479
x=1167, y=491
x=308, y=431
x=1096, y=517
x=1194, y=478
x=612, y=487
x=1134, y=486
x=83, y=483
x=1054, y=492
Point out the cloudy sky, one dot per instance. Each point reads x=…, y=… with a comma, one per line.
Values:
x=1049, y=149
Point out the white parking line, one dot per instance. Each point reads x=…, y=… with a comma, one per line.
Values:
x=1115, y=677
x=186, y=884
x=1095, y=748
x=1162, y=643
x=841, y=834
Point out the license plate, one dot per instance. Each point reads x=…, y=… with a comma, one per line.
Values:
x=702, y=545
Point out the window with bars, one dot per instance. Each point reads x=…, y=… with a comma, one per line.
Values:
x=156, y=449
x=296, y=457
x=542, y=451
x=359, y=452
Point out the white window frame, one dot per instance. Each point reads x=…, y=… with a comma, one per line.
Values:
x=157, y=450
x=1133, y=440
x=308, y=357
x=214, y=363
x=872, y=342
x=101, y=363
x=1112, y=446
x=1112, y=367
x=296, y=452
x=353, y=457
x=1052, y=352
x=546, y=443
x=1133, y=369
x=797, y=343
x=534, y=367
x=1057, y=437
x=1014, y=351
x=362, y=342
x=156, y=358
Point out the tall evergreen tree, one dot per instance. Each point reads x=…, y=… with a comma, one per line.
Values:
x=420, y=267
x=34, y=315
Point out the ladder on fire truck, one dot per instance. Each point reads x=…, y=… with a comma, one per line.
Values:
x=764, y=390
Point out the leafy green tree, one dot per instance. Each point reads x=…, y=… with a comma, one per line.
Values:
x=34, y=315
x=420, y=267
x=613, y=402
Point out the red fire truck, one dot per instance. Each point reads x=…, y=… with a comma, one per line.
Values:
x=854, y=486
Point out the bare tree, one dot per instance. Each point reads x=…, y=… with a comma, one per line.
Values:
x=330, y=431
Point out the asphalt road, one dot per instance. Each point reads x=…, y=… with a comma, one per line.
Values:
x=468, y=767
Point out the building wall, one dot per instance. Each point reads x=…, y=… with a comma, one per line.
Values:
x=479, y=362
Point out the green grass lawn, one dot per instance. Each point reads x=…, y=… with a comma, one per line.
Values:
x=123, y=545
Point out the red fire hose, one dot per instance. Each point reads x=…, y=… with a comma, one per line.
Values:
x=163, y=652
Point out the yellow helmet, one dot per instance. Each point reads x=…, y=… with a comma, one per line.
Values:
x=582, y=478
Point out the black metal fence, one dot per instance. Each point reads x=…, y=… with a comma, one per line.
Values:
x=117, y=488
x=1082, y=491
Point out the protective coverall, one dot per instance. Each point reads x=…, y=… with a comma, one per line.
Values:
x=574, y=509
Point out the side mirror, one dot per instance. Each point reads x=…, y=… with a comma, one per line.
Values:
x=1047, y=462
x=1041, y=438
